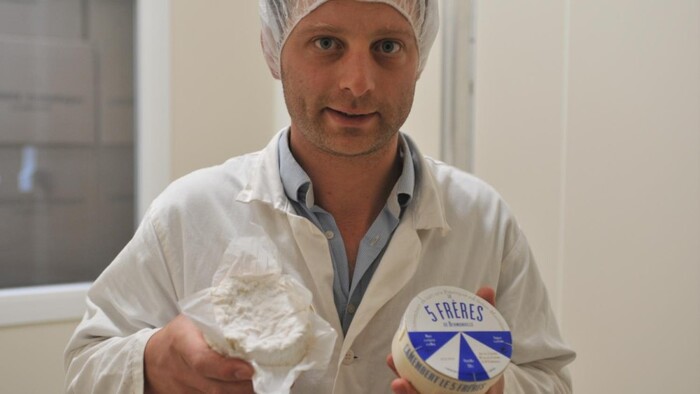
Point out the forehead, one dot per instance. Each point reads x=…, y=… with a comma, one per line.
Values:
x=350, y=16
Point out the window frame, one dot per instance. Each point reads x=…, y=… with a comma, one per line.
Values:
x=65, y=302
x=42, y=304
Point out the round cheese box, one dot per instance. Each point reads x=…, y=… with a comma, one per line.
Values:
x=451, y=341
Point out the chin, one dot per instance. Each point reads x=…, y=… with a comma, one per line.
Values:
x=355, y=149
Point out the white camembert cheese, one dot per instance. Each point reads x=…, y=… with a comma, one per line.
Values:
x=265, y=318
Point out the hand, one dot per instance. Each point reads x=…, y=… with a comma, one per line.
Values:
x=402, y=386
x=178, y=360
x=399, y=385
x=498, y=387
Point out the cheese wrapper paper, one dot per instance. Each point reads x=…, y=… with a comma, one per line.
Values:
x=247, y=263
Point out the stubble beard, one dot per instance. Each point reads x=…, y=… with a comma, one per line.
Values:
x=308, y=119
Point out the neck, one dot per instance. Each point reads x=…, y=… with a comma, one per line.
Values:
x=350, y=188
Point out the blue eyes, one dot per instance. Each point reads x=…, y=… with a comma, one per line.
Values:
x=325, y=43
x=386, y=47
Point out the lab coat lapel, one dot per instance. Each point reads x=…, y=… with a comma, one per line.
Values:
x=397, y=267
x=314, y=249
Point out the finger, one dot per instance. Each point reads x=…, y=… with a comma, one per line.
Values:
x=190, y=337
x=399, y=386
x=214, y=386
x=402, y=386
x=233, y=370
x=205, y=361
x=390, y=363
x=488, y=294
x=212, y=365
x=194, y=381
x=497, y=388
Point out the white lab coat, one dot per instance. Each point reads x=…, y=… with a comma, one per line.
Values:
x=456, y=231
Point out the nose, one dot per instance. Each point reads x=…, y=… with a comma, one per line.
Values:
x=357, y=73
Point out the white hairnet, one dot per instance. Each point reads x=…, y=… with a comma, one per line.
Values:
x=279, y=17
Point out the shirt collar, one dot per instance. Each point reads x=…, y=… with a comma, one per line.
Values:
x=298, y=187
x=295, y=181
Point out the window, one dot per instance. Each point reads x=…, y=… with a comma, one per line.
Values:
x=66, y=138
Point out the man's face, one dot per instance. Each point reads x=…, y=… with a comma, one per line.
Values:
x=349, y=71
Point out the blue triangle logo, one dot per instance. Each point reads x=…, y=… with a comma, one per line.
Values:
x=470, y=369
x=428, y=342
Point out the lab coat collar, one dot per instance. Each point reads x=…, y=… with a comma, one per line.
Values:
x=266, y=186
x=264, y=183
x=427, y=206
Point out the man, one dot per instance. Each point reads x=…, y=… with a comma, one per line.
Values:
x=364, y=221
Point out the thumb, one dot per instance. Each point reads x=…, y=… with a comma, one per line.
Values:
x=488, y=294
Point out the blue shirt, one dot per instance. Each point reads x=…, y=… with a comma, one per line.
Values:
x=348, y=292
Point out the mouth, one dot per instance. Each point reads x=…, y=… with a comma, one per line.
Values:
x=351, y=119
x=352, y=114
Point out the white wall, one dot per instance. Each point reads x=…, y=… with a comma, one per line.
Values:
x=588, y=122
x=222, y=90
x=31, y=357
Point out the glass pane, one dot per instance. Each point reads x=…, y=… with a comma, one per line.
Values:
x=66, y=138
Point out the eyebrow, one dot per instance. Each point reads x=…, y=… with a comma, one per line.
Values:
x=332, y=29
x=394, y=32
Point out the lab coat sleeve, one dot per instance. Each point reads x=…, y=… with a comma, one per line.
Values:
x=540, y=356
x=127, y=304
